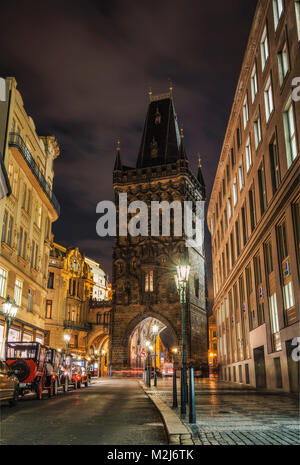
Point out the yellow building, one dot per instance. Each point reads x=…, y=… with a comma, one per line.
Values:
x=70, y=288
x=26, y=216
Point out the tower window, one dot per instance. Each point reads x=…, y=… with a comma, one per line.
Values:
x=149, y=281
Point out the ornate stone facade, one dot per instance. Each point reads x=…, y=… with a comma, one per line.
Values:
x=144, y=267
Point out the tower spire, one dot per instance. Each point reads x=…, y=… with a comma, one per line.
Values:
x=182, y=154
x=200, y=177
x=118, y=163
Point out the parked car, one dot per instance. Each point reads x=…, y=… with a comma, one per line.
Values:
x=9, y=384
x=29, y=359
x=80, y=372
x=53, y=370
x=65, y=372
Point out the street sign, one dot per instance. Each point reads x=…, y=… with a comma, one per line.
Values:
x=143, y=354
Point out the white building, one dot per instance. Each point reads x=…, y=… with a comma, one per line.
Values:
x=101, y=286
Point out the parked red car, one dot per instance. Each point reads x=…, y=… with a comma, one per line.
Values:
x=29, y=359
x=80, y=373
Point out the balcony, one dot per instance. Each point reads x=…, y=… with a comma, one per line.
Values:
x=15, y=140
x=77, y=325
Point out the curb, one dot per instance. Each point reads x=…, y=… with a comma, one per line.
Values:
x=177, y=432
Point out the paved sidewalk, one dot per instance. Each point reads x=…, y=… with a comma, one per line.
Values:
x=229, y=414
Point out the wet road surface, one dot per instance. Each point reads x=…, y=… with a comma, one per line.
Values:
x=111, y=411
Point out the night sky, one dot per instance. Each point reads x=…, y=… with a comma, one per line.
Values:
x=84, y=68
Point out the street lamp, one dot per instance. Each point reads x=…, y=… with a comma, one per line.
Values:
x=174, y=350
x=9, y=309
x=67, y=338
x=155, y=332
x=181, y=280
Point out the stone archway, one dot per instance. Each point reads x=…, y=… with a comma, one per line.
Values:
x=98, y=347
x=139, y=330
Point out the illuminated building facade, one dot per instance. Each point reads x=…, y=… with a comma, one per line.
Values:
x=253, y=214
x=26, y=216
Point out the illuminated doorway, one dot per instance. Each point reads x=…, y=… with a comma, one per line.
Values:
x=142, y=333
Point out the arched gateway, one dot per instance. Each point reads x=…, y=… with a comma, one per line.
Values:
x=144, y=267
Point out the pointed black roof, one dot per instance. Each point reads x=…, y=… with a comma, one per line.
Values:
x=201, y=180
x=161, y=138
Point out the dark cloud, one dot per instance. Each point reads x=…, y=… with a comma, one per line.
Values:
x=83, y=68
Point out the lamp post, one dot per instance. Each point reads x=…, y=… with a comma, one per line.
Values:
x=148, y=372
x=9, y=309
x=67, y=338
x=181, y=280
x=155, y=332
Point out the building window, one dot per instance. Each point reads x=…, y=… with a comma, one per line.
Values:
x=268, y=256
x=274, y=321
x=264, y=48
x=297, y=11
x=225, y=219
x=283, y=63
x=237, y=236
x=252, y=209
x=262, y=189
x=245, y=112
x=254, y=87
x=227, y=259
x=248, y=155
x=29, y=301
x=9, y=231
x=290, y=133
x=269, y=105
x=20, y=242
x=51, y=280
x=241, y=176
x=24, y=246
x=28, y=202
x=282, y=242
x=244, y=225
x=274, y=165
x=24, y=195
x=277, y=11
x=232, y=250
x=234, y=191
x=238, y=141
x=227, y=174
x=288, y=296
x=18, y=292
x=149, y=281
x=34, y=255
x=3, y=278
x=229, y=208
x=48, y=313
x=4, y=226
x=257, y=132
x=196, y=285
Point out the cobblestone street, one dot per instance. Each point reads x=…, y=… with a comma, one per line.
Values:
x=234, y=415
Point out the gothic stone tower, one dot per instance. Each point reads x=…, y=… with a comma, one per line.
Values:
x=144, y=267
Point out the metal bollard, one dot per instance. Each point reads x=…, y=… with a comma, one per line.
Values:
x=192, y=410
x=175, y=403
